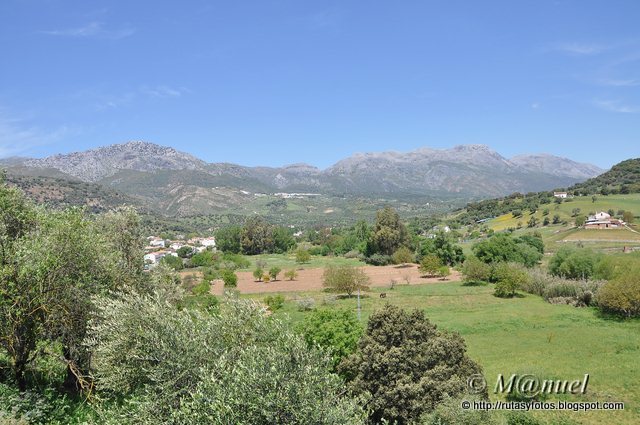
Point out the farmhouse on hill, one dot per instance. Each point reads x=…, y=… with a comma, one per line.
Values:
x=560, y=194
x=602, y=220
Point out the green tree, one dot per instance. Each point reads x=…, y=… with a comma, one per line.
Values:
x=290, y=274
x=579, y=263
x=283, y=239
x=173, y=262
x=443, y=272
x=184, y=252
x=533, y=222
x=406, y=366
x=228, y=239
x=403, y=255
x=621, y=295
x=257, y=274
x=627, y=217
x=556, y=219
x=430, y=265
x=251, y=369
x=504, y=248
x=345, y=279
x=257, y=236
x=274, y=271
x=475, y=270
x=389, y=232
x=204, y=259
x=580, y=220
x=229, y=278
x=302, y=256
x=336, y=330
x=509, y=278
x=443, y=247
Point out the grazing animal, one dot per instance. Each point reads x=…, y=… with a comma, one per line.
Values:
x=383, y=295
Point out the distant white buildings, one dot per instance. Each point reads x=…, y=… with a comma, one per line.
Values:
x=208, y=242
x=602, y=220
x=562, y=195
x=156, y=241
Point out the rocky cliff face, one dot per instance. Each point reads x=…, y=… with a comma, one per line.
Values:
x=96, y=164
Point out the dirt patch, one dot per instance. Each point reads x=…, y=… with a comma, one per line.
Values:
x=311, y=280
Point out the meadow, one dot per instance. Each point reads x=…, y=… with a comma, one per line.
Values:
x=519, y=335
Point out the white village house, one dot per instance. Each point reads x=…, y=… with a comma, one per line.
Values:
x=602, y=220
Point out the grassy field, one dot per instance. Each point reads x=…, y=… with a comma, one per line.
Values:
x=521, y=335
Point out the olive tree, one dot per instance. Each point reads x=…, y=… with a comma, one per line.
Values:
x=406, y=365
x=236, y=366
x=345, y=279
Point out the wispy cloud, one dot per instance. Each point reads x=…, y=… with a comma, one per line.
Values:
x=164, y=91
x=580, y=49
x=612, y=82
x=116, y=101
x=93, y=29
x=616, y=106
x=17, y=137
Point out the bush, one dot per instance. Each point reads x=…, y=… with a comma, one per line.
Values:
x=204, y=259
x=302, y=256
x=430, y=264
x=379, y=260
x=509, y=278
x=403, y=255
x=354, y=254
x=250, y=369
x=266, y=278
x=621, y=295
x=504, y=248
x=239, y=260
x=580, y=263
x=202, y=288
x=173, y=262
x=229, y=278
x=345, y=279
x=443, y=272
x=274, y=302
x=336, y=330
x=475, y=270
x=209, y=274
x=273, y=272
x=291, y=274
x=306, y=304
x=557, y=290
x=257, y=274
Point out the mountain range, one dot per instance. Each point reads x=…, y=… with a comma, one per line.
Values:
x=179, y=183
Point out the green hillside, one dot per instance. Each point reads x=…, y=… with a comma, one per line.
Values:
x=621, y=178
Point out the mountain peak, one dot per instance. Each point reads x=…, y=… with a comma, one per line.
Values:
x=96, y=164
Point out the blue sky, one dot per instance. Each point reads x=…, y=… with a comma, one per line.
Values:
x=275, y=82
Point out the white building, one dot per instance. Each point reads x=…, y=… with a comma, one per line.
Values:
x=154, y=241
x=560, y=194
x=208, y=242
